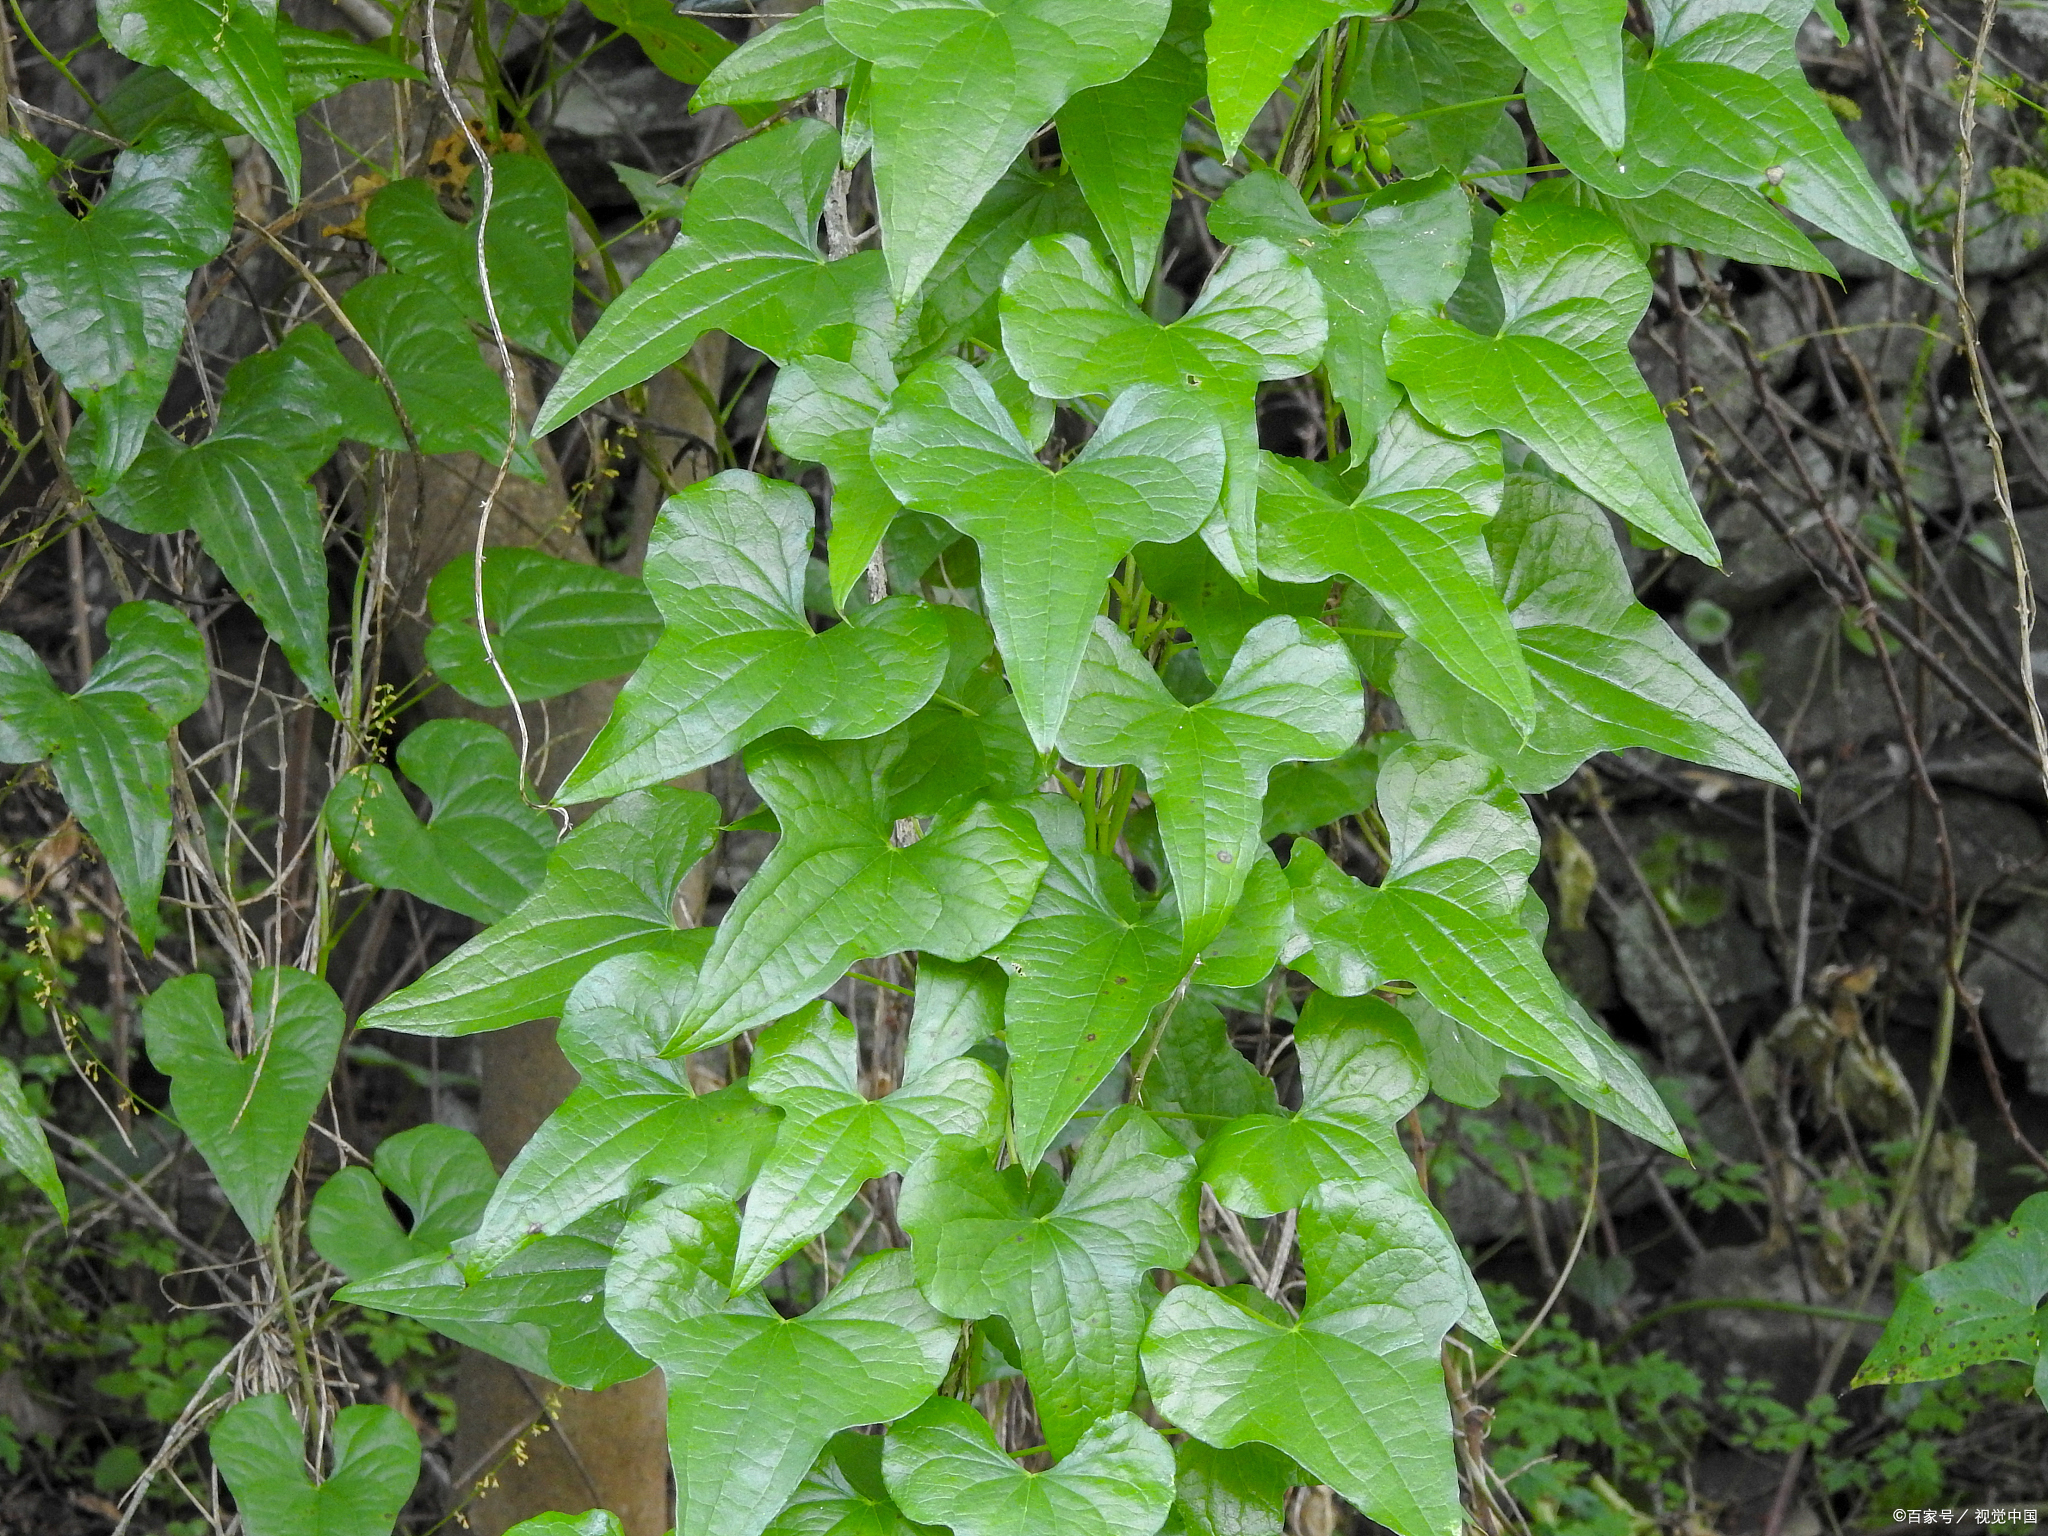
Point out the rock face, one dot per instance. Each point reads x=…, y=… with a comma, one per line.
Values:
x=2015, y=995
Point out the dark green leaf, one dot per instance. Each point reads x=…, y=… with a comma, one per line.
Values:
x=23, y=1146
x=1425, y=60
x=1980, y=1307
x=681, y=47
x=1241, y=1492
x=555, y=624
x=843, y=1495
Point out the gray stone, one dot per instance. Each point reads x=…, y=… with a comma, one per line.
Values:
x=1995, y=844
x=1728, y=959
x=2015, y=1003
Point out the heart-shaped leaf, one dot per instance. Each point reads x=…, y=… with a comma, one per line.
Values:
x=981, y=80
x=837, y=887
x=1361, y=1070
x=246, y=1113
x=1559, y=375
x=1415, y=539
x=944, y=1467
x=1983, y=1306
x=104, y=295
x=832, y=1138
x=790, y=58
x=609, y=889
x=261, y=1452
x=1291, y=693
x=1122, y=141
x=1239, y=1492
x=1063, y=1267
x=484, y=849
x=825, y=409
x=555, y=625
x=959, y=298
x=1575, y=48
x=23, y=1146
x=746, y=262
x=1385, y=1284
x=1048, y=541
x=844, y=1495
x=1608, y=672
x=1253, y=44
x=1070, y=329
x=1198, y=1081
x=444, y=1177
x=737, y=658
x=227, y=51
x=107, y=743
x=1085, y=969
x=1696, y=212
x=1405, y=248
x=634, y=1116
x=1723, y=95
x=753, y=1397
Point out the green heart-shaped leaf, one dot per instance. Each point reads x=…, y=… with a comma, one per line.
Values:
x=108, y=743
x=609, y=889
x=1253, y=44
x=104, y=295
x=1048, y=541
x=1291, y=693
x=981, y=80
x=484, y=849
x=944, y=1467
x=1983, y=1306
x=443, y=1175
x=1559, y=375
x=737, y=657
x=1063, y=1267
x=1084, y=971
x=555, y=625
x=634, y=1116
x=1198, y=1081
x=1575, y=48
x=844, y=1495
x=1405, y=248
x=1071, y=330
x=680, y=46
x=1385, y=1283
x=248, y=1113
x=1608, y=673
x=832, y=1138
x=1239, y=1492
x=1361, y=1070
x=754, y=1396
x=836, y=887
x=825, y=409
x=746, y=262
x=261, y=1453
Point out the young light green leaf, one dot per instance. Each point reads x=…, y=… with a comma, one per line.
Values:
x=104, y=295
x=261, y=1453
x=1291, y=694
x=1048, y=540
x=1559, y=375
x=1070, y=329
x=1385, y=1284
x=1447, y=916
x=1253, y=44
x=832, y=1139
x=227, y=51
x=1085, y=970
x=1063, y=1268
x=1724, y=95
x=1361, y=1070
x=789, y=59
x=754, y=1396
x=945, y=1468
x=746, y=262
x=825, y=409
x=1122, y=141
x=555, y=624
x=444, y=1177
x=634, y=1116
x=246, y=1113
x=1415, y=542
x=737, y=658
x=836, y=887
x=1575, y=48
x=107, y=743
x=609, y=889
x=844, y=1495
x=23, y=1146
x=1608, y=672
x=982, y=81
x=1983, y=1306
x=525, y=244
x=680, y=46
x=484, y=849
x=1405, y=248
x=1240, y=1492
